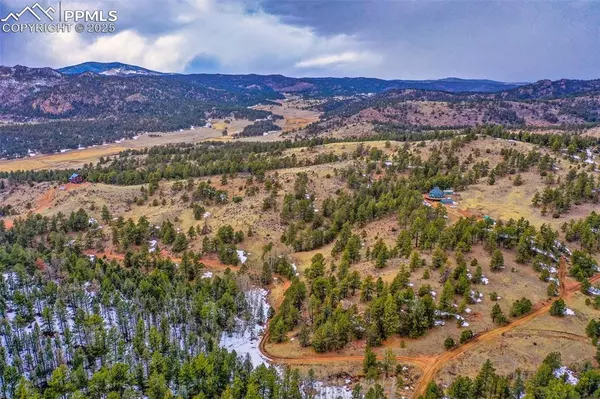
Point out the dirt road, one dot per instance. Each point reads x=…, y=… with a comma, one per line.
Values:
x=430, y=365
x=45, y=201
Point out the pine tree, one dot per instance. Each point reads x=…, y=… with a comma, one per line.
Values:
x=181, y=243
x=484, y=382
x=370, y=367
x=105, y=214
x=438, y=258
x=48, y=320
x=389, y=362
x=523, y=251
x=497, y=262
x=497, y=315
x=461, y=388
x=25, y=390
x=391, y=317
x=518, y=180
x=447, y=297
x=157, y=387
x=558, y=308
x=367, y=289
x=415, y=261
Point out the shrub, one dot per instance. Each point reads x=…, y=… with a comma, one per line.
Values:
x=558, y=308
x=466, y=336
x=520, y=307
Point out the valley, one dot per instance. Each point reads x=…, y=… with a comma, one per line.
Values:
x=305, y=237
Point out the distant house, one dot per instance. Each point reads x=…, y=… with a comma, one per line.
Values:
x=489, y=220
x=76, y=178
x=449, y=192
x=436, y=194
x=447, y=201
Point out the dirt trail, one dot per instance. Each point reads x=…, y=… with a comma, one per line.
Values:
x=553, y=334
x=422, y=362
x=484, y=337
x=45, y=201
x=540, y=309
x=286, y=285
x=432, y=364
x=562, y=277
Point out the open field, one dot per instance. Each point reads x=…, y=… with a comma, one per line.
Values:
x=295, y=116
x=77, y=158
x=504, y=200
x=592, y=132
x=492, y=341
x=526, y=346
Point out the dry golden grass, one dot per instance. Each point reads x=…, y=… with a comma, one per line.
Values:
x=77, y=158
x=294, y=118
x=515, y=349
x=71, y=159
x=503, y=200
x=592, y=132
x=293, y=112
x=526, y=346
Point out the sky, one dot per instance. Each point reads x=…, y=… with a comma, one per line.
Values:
x=392, y=39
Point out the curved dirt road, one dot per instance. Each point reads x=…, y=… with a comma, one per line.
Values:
x=430, y=365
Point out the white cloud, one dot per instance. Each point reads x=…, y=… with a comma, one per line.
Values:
x=238, y=40
x=335, y=59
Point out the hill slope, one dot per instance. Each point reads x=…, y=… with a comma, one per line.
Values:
x=544, y=103
x=109, y=69
x=97, y=102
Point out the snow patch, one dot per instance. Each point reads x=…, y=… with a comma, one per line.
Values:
x=323, y=391
x=242, y=255
x=207, y=275
x=594, y=291
x=569, y=312
x=570, y=379
x=246, y=339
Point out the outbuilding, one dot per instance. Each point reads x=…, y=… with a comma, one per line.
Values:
x=76, y=178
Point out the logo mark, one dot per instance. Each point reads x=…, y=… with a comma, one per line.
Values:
x=32, y=10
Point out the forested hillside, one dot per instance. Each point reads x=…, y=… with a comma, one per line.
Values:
x=332, y=255
x=80, y=327
x=543, y=104
x=97, y=103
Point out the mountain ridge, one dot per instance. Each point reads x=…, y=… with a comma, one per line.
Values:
x=108, y=69
x=328, y=85
x=93, y=108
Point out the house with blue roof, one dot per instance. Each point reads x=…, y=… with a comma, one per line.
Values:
x=436, y=194
x=76, y=178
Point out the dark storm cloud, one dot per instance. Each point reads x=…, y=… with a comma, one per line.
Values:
x=508, y=40
x=504, y=40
